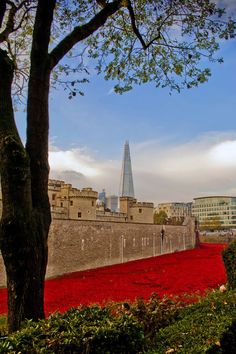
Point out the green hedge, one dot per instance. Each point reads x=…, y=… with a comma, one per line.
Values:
x=117, y=328
x=201, y=328
x=83, y=330
x=154, y=327
x=3, y=324
x=229, y=259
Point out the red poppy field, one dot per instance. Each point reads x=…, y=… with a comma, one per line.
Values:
x=180, y=273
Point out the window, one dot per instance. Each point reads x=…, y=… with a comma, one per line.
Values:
x=92, y=202
x=79, y=214
x=71, y=202
x=140, y=210
x=53, y=196
x=61, y=204
x=131, y=217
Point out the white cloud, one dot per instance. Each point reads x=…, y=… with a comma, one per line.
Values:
x=179, y=172
x=79, y=167
x=74, y=160
x=224, y=154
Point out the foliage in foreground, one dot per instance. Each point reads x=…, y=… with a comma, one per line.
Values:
x=3, y=325
x=116, y=328
x=229, y=259
x=155, y=327
x=202, y=328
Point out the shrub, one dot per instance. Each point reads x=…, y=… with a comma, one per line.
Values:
x=228, y=341
x=156, y=326
x=83, y=330
x=3, y=326
x=227, y=344
x=229, y=259
x=201, y=327
x=122, y=328
x=155, y=313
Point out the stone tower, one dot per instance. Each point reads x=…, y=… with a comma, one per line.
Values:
x=126, y=182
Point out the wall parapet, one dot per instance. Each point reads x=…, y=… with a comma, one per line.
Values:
x=142, y=204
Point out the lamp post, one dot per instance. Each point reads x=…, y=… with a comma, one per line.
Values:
x=197, y=240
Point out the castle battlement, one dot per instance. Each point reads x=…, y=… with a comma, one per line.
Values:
x=55, y=183
x=66, y=186
x=84, y=194
x=143, y=205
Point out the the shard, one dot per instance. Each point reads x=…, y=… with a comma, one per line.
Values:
x=126, y=182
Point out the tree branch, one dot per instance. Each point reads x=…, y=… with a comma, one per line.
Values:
x=136, y=30
x=37, y=105
x=11, y=18
x=134, y=26
x=7, y=122
x=10, y=24
x=27, y=10
x=82, y=32
x=3, y=6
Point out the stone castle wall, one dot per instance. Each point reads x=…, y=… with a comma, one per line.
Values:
x=78, y=245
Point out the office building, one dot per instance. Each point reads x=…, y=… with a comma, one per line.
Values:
x=222, y=208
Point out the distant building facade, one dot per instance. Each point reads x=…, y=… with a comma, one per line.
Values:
x=175, y=210
x=102, y=196
x=71, y=203
x=137, y=212
x=112, y=203
x=222, y=207
x=68, y=202
x=106, y=202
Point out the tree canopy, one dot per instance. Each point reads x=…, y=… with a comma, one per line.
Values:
x=130, y=42
x=212, y=223
x=160, y=218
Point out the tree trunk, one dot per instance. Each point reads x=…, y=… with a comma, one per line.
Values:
x=24, y=179
x=37, y=139
x=23, y=229
x=21, y=243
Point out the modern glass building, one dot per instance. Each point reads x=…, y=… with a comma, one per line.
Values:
x=221, y=207
x=126, y=183
x=102, y=196
x=112, y=202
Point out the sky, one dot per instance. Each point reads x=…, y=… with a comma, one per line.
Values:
x=182, y=145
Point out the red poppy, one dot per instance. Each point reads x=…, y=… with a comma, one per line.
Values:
x=186, y=272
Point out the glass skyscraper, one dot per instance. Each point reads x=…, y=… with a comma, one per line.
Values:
x=126, y=182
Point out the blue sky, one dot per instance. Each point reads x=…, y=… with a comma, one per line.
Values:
x=182, y=145
x=102, y=120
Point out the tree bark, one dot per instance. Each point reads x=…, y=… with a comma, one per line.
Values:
x=38, y=129
x=19, y=229
x=24, y=179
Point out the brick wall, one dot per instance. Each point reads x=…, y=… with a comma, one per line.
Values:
x=78, y=245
